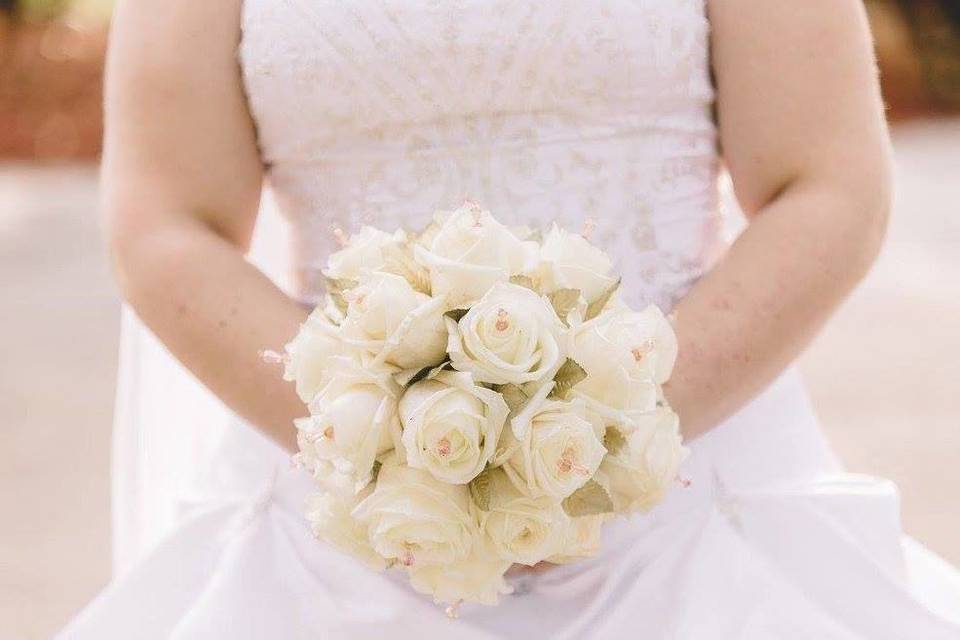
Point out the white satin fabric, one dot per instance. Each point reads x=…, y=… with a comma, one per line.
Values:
x=379, y=111
x=771, y=540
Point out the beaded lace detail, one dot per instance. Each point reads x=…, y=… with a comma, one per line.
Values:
x=381, y=111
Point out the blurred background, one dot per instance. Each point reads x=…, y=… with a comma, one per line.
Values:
x=884, y=375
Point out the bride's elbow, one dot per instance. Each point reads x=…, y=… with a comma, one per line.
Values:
x=147, y=249
x=870, y=206
x=849, y=210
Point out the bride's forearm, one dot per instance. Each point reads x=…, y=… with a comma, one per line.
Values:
x=181, y=183
x=215, y=312
x=747, y=319
x=803, y=135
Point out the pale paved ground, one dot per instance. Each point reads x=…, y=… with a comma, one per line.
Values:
x=886, y=372
x=885, y=375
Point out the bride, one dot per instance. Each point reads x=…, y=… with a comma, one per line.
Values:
x=379, y=112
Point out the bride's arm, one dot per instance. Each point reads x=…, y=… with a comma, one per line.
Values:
x=804, y=137
x=181, y=186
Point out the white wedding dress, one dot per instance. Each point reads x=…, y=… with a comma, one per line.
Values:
x=380, y=111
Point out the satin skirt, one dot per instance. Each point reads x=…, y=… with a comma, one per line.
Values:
x=772, y=539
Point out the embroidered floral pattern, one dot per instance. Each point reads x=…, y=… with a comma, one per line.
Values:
x=380, y=111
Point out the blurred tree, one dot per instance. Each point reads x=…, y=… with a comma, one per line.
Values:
x=951, y=8
x=935, y=25
x=32, y=9
x=51, y=63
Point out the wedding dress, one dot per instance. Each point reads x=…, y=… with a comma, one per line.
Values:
x=380, y=111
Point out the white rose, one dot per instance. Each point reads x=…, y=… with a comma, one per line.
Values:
x=646, y=466
x=476, y=578
x=649, y=337
x=353, y=420
x=395, y=324
x=626, y=356
x=451, y=426
x=309, y=353
x=583, y=539
x=362, y=254
x=330, y=519
x=512, y=335
x=470, y=252
x=522, y=529
x=416, y=519
x=568, y=260
x=559, y=450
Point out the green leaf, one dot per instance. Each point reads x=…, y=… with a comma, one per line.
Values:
x=426, y=373
x=588, y=500
x=514, y=396
x=456, y=314
x=481, y=491
x=377, y=465
x=564, y=301
x=523, y=281
x=445, y=365
x=337, y=287
x=568, y=375
x=613, y=440
x=595, y=307
x=418, y=376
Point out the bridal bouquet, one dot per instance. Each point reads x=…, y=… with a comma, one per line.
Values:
x=479, y=396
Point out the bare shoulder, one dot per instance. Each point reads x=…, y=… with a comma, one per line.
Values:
x=178, y=130
x=798, y=94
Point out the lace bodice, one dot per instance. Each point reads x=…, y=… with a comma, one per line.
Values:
x=380, y=111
